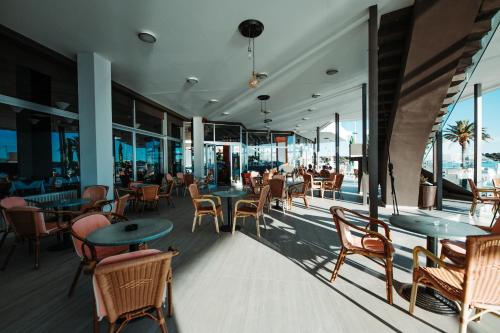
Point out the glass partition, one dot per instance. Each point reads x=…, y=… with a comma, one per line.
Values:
x=123, y=156
x=149, y=158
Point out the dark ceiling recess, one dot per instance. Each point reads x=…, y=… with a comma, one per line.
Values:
x=251, y=28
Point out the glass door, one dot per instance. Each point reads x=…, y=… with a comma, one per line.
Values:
x=210, y=161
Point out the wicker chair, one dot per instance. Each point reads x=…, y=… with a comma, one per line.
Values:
x=248, y=207
x=148, y=195
x=205, y=205
x=300, y=191
x=277, y=192
x=455, y=250
x=478, y=198
x=180, y=184
x=89, y=254
x=325, y=173
x=167, y=194
x=246, y=181
x=7, y=203
x=372, y=244
x=334, y=185
x=316, y=185
x=28, y=223
x=133, y=285
x=475, y=285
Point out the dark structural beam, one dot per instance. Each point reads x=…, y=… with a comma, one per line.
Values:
x=337, y=141
x=438, y=167
x=373, y=111
x=478, y=131
x=364, y=161
x=316, y=160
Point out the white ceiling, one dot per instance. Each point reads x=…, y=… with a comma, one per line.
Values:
x=200, y=38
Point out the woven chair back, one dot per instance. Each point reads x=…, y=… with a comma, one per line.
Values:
x=95, y=192
x=339, y=178
x=324, y=173
x=482, y=275
x=11, y=202
x=149, y=192
x=473, y=187
x=121, y=204
x=343, y=229
x=262, y=198
x=188, y=179
x=133, y=284
x=276, y=186
x=169, y=177
x=82, y=226
x=26, y=221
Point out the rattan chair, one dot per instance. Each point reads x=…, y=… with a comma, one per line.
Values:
x=167, y=194
x=372, y=244
x=334, y=185
x=205, y=205
x=7, y=203
x=300, y=191
x=133, y=285
x=277, y=192
x=255, y=208
x=148, y=195
x=477, y=196
x=475, y=285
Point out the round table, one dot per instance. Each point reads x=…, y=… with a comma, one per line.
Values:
x=229, y=194
x=434, y=228
x=116, y=235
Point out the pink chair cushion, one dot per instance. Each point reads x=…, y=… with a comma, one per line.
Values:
x=371, y=244
x=11, y=202
x=83, y=227
x=100, y=306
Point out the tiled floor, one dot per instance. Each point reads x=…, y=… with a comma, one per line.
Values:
x=241, y=284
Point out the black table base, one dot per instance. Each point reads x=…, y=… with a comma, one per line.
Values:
x=228, y=227
x=430, y=300
x=65, y=244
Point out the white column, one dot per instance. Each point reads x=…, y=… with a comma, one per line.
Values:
x=94, y=100
x=478, y=132
x=198, y=138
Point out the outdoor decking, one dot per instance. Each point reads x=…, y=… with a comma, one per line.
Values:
x=226, y=283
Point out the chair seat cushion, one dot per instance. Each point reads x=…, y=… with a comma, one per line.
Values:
x=247, y=209
x=205, y=208
x=103, y=252
x=450, y=281
x=371, y=244
x=454, y=250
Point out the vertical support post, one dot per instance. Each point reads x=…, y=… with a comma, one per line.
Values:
x=198, y=138
x=373, y=110
x=337, y=141
x=438, y=167
x=317, y=148
x=478, y=131
x=364, y=161
x=134, y=144
x=96, y=125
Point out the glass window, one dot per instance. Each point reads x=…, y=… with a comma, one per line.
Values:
x=227, y=133
x=208, y=132
x=174, y=127
x=174, y=157
x=259, y=151
x=123, y=156
x=123, y=108
x=148, y=118
x=149, y=158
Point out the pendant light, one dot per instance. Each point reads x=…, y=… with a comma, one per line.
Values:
x=251, y=29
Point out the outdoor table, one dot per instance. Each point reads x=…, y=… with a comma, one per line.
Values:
x=116, y=234
x=229, y=195
x=433, y=228
x=58, y=205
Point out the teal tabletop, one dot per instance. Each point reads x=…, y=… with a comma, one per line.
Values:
x=64, y=203
x=229, y=193
x=115, y=234
x=435, y=226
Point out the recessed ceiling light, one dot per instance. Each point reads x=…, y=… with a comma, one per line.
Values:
x=331, y=71
x=305, y=118
x=192, y=80
x=225, y=113
x=267, y=126
x=213, y=101
x=316, y=95
x=147, y=37
x=311, y=109
x=297, y=125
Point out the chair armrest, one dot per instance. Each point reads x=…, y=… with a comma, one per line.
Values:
x=435, y=259
x=206, y=200
x=485, y=228
x=486, y=190
x=371, y=234
x=245, y=201
x=205, y=196
x=114, y=217
x=387, y=231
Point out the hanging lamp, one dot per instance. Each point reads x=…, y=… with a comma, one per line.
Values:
x=251, y=29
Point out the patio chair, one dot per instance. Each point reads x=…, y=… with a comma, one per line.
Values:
x=454, y=250
x=167, y=194
x=299, y=191
x=246, y=181
x=324, y=173
x=7, y=203
x=478, y=197
x=475, y=285
x=278, y=176
x=28, y=223
x=118, y=207
x=180, y=182
x=316, y=185
x=188, y=180
x=205, y=205
x=133, y=285
x=148, y=195
x=255, y=208
x=277, y=192
x=334, y=185
x=372, y=245
x=89, y=254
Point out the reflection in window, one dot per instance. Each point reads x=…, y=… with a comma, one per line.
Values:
x=148, y=118
x=123, y=108
x=123, y=156
x=174, y=157
x=227, y=133
x=149, y=158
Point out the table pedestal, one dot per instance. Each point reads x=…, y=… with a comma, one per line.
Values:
x=430, y=300
x=229, y=223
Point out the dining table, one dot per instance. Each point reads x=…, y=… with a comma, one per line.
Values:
x=229, y=195
x=131, y=233
x=433, y=228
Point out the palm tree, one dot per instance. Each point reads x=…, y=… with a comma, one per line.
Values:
x=462, y=132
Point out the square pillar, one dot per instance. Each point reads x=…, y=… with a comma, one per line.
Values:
x=95, y=112
x=198, y=138
x=478, y=132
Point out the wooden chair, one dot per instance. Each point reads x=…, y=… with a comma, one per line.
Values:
x=188, y=180
x=477, y=197
x=316, y=185
x=372, y=244
x=89, y=254
x=454, y=250
x=205, y=205
x=180, y=182
x=28, y=223
x=245, y=208
x=133, y=285
x=246, y=181
x=277, y=192
x=300, y=191
x=167, y=194
x=148, y=195
x=7, y=203
x=325, y=173
x=475, y=285
x=335, y=185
